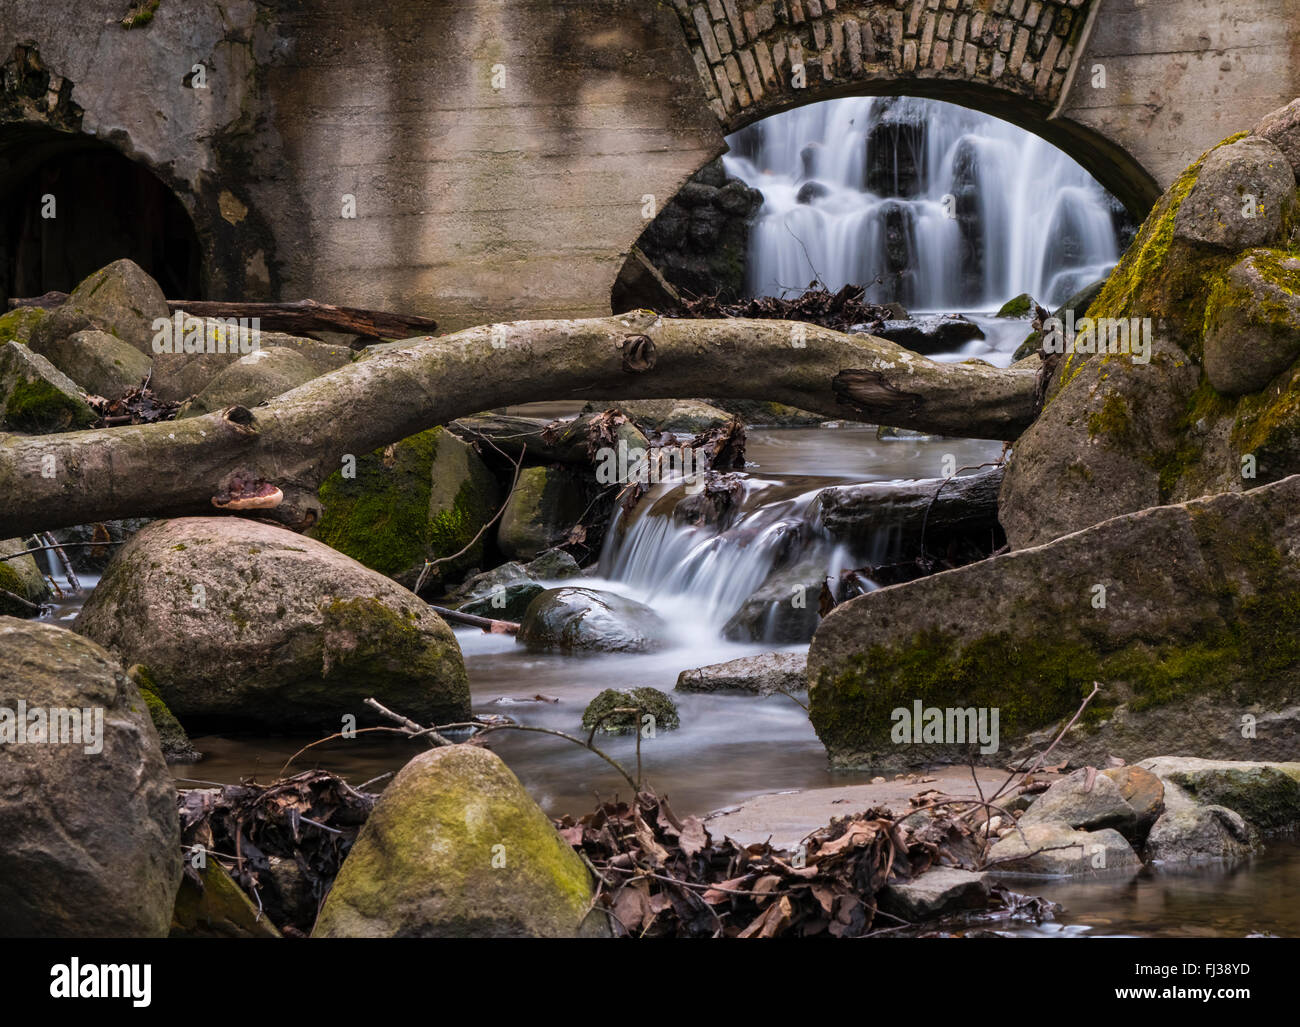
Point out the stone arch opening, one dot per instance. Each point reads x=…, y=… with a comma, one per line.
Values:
x=106, y=206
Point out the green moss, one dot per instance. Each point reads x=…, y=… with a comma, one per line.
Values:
x=1112, y=420
x=1019, y=306
x=648, y=700
x=11, y=581
x=140, y=15
x=20, y=324
x=36, y=406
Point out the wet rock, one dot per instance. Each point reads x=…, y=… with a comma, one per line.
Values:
x=896, y=148
x=784, y=609
x=244, y=623
x=940, y=891
x=456, y=848
x=554, y=565
x=1243, y=196
x=1018, y=306
x=546, y=503
x=939, y=333
x=1252, y=322
x=91, y=840
x=1180, y=641
x=1266, y=795
x=20, y=576
x=810, y=191
x=589, y=619
x=1079, y=303
x=101, y=364
x=1282, y=129
x=1199, y=834
x=1143, y=791
x=36, y=397
x=425, y=498
x=218, y=908
x=502, y=594
x=650, y=702
x=763, y=674
x=1051, y=848
x=250, y=380
x=1087, y=808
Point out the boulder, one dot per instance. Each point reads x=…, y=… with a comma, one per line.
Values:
x=939, y=333
x=120, y=299
x=1079, y=303
x=245, y=623
x=1252, y=322
x=1243, y=197
x=1282, y=129
x=1266, y=795
x=98, y=362
x=426, y=498
x=757, y=413
x=36, y=397
x=554, y=565
x=651, y=702
x=1199, y=834
x=940, y=891
x=21, y=325
x=763, y=674
x=1182, y=644
x=91, y=839
x=250, y=380
x=175, y=743
x=502, y=594
x=545, y=504
x=1073, y=802
x=1051, y=848
x=20, y=576
x=1021, y=306
x=456, y=848
x=1143, y=791
x=217, y=908
x=589, y=619
x=783, y=609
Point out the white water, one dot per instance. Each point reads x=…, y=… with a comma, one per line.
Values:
x=1047, y=226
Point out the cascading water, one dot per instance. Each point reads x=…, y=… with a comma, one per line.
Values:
x=933, y=205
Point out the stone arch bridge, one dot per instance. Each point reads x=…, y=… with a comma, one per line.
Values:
x=502, y=155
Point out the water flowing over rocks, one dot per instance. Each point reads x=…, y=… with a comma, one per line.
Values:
x=241, y=622
x=456, y=848
x=91, y=841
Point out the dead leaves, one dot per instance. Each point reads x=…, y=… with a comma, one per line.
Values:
x=840, y=310
x=138, y=406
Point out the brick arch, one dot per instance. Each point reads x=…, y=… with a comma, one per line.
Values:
x=1010, y=58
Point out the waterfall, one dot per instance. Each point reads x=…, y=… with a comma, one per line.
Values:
x=939, y=207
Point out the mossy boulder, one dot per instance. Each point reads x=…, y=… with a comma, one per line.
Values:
x=425, y=498
x=545, y=504
x=36, y=397
x=216, y=907
x=21, y=324
x=1079, y=303
x=21, y=576
x=176, y=746
x=247, y=624
x=1018, y=306
x=455, y=848
x=1252, y=322
x=588, y=619
x=1282, y=129
x=1197, y=623
x=120, y=299
x=1244, y=196
x=250, y=380
x=91, y=838
x=1266, y=795
x=649, y=702
x=101, y=364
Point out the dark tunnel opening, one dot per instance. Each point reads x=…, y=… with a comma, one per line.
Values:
x=105, y=207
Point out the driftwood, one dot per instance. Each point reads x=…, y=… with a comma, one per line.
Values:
x=492, y=627
x=296, y=440
x=296, y=318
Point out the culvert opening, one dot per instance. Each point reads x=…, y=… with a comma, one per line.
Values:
x=69, y=206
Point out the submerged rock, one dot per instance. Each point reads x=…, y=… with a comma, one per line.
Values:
x=91, y=840
x=247, y=623
x=455, y=848
x=763, y=674
x=650, y=702
x=590, y=619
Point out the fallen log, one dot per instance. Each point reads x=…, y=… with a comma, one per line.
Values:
x=296, y=317
x=294, y=441
x=492, y=627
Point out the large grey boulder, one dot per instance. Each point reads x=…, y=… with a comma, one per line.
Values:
x=252, y=379
x=1252, y=322
x=1051, y=848
x=1084, y=805
x=1243, y=197
x=239, y=621
x=100, y=363
x=1182, y=613
x=91, y=840
x=591, y=619
x=455, y=848
x=120, y=299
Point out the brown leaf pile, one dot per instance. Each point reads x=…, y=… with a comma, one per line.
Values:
x=838, y=310
x=138, y=406
x=662, y=876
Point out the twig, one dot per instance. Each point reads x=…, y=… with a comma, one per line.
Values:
x=43, y=549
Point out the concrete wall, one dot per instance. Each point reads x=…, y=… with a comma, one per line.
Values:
x=477, y=203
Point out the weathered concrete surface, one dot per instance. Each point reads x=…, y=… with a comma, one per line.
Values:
x=479, y=204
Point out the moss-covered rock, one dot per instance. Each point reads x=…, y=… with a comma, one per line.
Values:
x=647, y=702
x=176, y=746
x=456, y=848
x=120, y=299
x=1252, y=322
x=20, y=576
x=425, y=498
x=1199, y=623
x=92, y=843
x=1018, y=306
x=217, y=908
x=1245, y=195
x=1266, y=795
x=578, y=619
x=250, y=380
x=244, y=623
x=21, y=324
x=36, y=397
x=546, y=503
